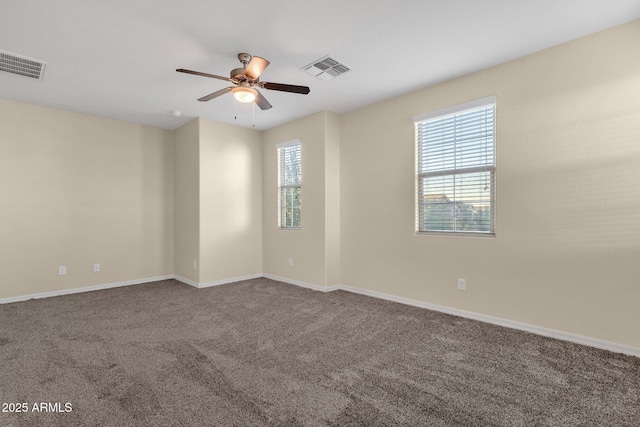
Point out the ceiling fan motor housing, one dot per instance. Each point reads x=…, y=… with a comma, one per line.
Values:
x=238, y=74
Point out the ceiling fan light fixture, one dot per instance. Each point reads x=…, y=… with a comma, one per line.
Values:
x=244, y=94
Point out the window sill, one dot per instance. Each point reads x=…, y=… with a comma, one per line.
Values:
x=452, y=233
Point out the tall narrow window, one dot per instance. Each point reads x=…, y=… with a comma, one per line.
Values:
x=289, y=179
x=455, y=171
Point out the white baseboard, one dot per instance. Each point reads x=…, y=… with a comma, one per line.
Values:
x=187, y=281
x=218, y=282
x=126, y=283
x=538, y=330
x=298, y=283
x=83, y=289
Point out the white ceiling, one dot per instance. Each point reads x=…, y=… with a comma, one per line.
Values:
x=117, y=58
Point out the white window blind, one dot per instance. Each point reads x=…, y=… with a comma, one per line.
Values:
x=289, y=184
x=455, y=171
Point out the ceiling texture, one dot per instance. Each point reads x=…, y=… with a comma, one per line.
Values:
x=117, y=58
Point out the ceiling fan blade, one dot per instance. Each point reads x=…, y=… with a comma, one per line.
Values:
x=198, y=73
x=215, y=94
x=256, y=67
x=262, y=102
x=286, y=88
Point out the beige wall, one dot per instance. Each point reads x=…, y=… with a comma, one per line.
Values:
x=332, y=199
x=567, y=247
x=218, y=202
x=307, y=245
x=315, y=247
x=187, y=200
x=230, y=201
x=78, y=190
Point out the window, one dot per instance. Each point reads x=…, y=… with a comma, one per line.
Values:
x=289, y=178
x=455, y=171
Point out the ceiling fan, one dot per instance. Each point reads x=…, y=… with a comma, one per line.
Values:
x=245, y=79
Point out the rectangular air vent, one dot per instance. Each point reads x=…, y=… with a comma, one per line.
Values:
x=326, y=68
x=21, y=65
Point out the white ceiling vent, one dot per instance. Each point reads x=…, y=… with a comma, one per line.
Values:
x=326, y=68
x=21, y=65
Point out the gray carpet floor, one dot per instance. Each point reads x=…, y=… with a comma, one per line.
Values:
x=261, y=352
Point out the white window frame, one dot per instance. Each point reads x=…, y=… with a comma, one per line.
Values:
x=284, y=189
x=477, y=166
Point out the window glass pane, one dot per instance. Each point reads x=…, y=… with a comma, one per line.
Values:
x=290, y=206
x=290, y=165
x=289, y=178
x=460, y=202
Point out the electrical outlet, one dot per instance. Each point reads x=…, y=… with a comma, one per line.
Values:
x=195, y=265
x=62, y=270
x=290, y=262
x=462, y=285
x=96, y=268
